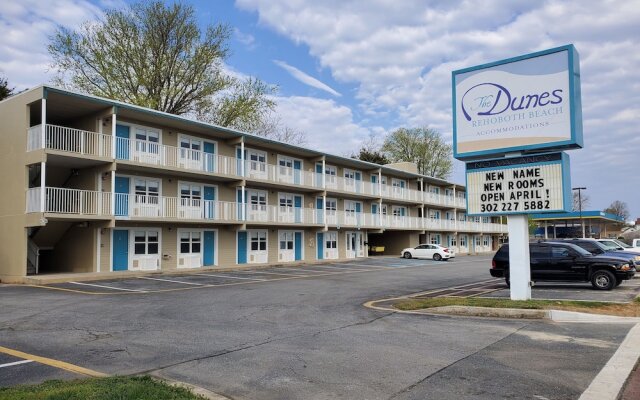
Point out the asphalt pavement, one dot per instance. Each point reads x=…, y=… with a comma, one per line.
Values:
x=302, y=333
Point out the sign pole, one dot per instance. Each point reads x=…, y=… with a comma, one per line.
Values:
x=519, y=264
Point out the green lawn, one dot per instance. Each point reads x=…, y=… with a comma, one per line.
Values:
x=116, y=388
x=624, y=309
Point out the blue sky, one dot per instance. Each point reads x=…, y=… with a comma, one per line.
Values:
x=348, y=70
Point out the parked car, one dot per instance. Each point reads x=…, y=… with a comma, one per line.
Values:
x=596, y=248
x=566, y=262
x=433, y=251
x=618, y=245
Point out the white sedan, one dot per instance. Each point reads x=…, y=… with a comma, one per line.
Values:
x=615, y=244
x=433, y=251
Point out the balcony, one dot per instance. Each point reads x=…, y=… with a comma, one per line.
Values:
x=92, y=144
x=132, y=206
x=69, y=201
x=69, y=140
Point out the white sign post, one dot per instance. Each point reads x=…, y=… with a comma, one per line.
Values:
x=517, y=109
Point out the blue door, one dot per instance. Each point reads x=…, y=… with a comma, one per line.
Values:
x=319, y=173
x=297, y=204
x=320, y=245
x=122, y=196
x=242, y=247
x=297, y=244
x=120, y=250
x=319, y=207
x=122, y=146
x=209, y=203
x=297, y=167
x=358, y=181
x=209, y=158
x=209, y=248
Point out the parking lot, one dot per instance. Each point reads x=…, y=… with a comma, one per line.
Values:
x=299, y=332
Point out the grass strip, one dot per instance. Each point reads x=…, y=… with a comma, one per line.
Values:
x=631, y=309
x=113, y=388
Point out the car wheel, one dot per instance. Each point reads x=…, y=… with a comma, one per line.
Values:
x=437, y=257
x=603, y=280
x=407, y=255
x=618, y=282
x=507, y=281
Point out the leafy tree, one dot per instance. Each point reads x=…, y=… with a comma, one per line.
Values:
x=371, y=152
x=155, y=55
x=618, y=208
x=583, y=199
x=423, y=146
x=5, y=90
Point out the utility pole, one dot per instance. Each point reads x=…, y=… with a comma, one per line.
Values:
x=580, y=189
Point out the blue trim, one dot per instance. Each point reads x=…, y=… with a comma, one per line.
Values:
x=575, y=106
x=576, y=215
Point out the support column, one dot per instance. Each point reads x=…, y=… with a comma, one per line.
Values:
x=324, y=207
x=519, y=262
x=114, y=140
x=243, y=198
x=546, y=236
x=113, y=193
x=242, y=159
x=43, y=181
x=43, y=123
x=324, y=176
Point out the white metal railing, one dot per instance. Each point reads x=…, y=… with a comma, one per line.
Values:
x=145, y=206
x=69, y=201
x=280, y=174
x=71, y=140
x=145, y=152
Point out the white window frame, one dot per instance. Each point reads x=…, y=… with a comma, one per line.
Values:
x=261, y=167
x=190, y=254
x=331, y=239
x=144, y=257
x=331, y=175
x=263, y=214
x=264, y=254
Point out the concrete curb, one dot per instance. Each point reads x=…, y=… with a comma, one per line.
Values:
x=207, y=394
x=516, y=313
x=609, y=383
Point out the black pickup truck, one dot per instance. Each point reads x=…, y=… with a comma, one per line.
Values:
x=567, y=262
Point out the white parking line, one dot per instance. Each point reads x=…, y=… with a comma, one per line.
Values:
x=363, y=265
x=293, y=270
x=11, y=364
x=172, y=281
x=108, y=287
x=230, y=277
x=340, y=268
x=271, y=273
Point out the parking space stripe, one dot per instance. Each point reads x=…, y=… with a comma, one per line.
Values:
x=53, y=363
x=108, y=287
x=341, y=268
x=11, y=364
x=230, y=277
x=272, y=273
x=294, y=270
x=171, y=280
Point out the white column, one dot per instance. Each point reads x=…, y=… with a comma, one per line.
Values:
x=324, y=207
x=380, y=183
x=43, y=123
x=243, y=199
x=43, y=190
x=113, y=194
x=324, y=174
x=113, y=135
x=546, y=236
x=242, y=159
x=519, y=263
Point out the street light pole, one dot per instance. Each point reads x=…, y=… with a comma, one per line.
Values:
x=580, y=189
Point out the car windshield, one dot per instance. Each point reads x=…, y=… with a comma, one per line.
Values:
x=622, y=244
x=609, y=245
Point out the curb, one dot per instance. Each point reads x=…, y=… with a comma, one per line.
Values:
x=610, y=381
x=207, y=394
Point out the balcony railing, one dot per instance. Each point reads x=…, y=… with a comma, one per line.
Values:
x=69, y=201
x=82, y=142
x=89, y=202
x=70, y=140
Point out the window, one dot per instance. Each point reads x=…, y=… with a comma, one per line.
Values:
x=435, y=239
x=398, y=184
x=435, y=215
x=190, y=143
x=434, y=190
x=349, y=174
x=147, y=140
x=190, y=242
x=331, y=173
x=332, y=241
x=145, y=242
x=258, y=241
x=485, y=220
x=485, y=241
x=350, y=206
x=286, y=241
x=286, y=201
x=331, y=205
x=422, y=247
x=257, y=161
x=463, y=240
x=190, y=193
x=398, y=211
x=452, y=240
x=477, y=241
x=539, y=252
x=147, y=191
x=560, y=252
x=258, y=200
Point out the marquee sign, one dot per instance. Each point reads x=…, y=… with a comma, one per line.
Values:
x=519, y=185
x=531, y=102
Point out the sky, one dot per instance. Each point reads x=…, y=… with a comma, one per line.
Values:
x=350, y=70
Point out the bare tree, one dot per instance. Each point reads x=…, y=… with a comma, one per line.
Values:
x=272, y=127
x=423, y=146
x=156, y=56
x=371, y=151
x=619, y=208
x=583, y=199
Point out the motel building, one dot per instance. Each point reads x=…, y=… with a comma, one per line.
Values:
x=95, y=186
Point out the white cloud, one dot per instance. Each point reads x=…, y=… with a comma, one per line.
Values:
x=25, y=27
x=329, y=126
x=306, y=79
x=246, y=39
x=401, y=60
